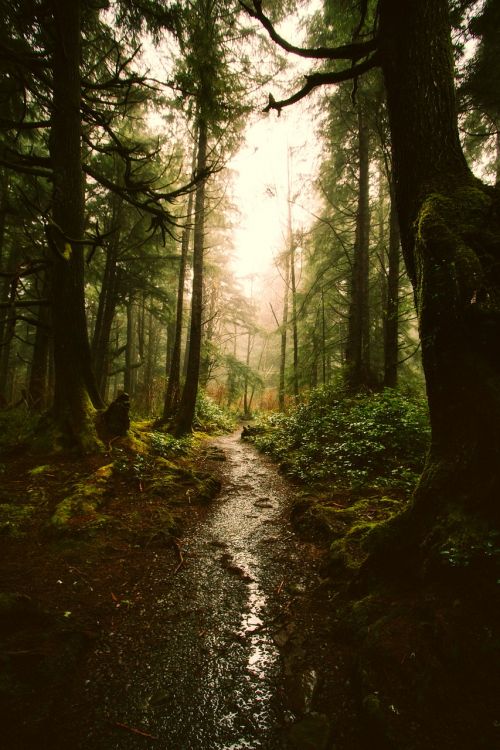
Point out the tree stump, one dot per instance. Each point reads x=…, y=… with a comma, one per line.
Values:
x=116, y=416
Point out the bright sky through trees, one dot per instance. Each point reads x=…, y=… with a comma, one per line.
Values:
x=260, y=186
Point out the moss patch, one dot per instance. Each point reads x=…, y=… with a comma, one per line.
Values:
x=14, y=518
x=80, y=508
x=351, y=525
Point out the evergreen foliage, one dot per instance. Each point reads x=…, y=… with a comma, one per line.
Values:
x=376, y=440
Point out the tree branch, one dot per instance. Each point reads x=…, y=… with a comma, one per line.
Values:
x=354, y=51
x=323, y=79
x=24, y=303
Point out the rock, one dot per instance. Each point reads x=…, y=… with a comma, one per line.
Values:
x=299, y=689
x=116, y=417
x=228, y=564
x=216, y=454
x=283, y=635
x=250, y=431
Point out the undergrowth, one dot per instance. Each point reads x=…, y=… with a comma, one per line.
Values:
x=377, y=440
x=17, y=425
x=210, y=417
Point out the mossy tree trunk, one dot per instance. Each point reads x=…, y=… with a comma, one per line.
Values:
x=75, y=392
x=450, y=232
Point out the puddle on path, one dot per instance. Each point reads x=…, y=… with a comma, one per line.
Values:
x=214, y=680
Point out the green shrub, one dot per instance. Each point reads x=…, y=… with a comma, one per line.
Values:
x=16, y=426
x=210, y=417
x=377, y=439
x=166, y=445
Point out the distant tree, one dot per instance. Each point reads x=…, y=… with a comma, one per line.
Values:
x=216, y=105
x=480, y=88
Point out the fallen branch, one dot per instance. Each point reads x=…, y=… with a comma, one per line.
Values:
x=133, y=730
x=178, y=547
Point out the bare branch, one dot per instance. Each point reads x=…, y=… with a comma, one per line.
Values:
x=315, y=80
x=354, y=51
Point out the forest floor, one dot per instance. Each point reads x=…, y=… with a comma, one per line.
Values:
x=192, y=603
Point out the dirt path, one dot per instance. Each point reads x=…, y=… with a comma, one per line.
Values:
x=218, y=660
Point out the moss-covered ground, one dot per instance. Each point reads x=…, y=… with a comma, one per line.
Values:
x=77, y=536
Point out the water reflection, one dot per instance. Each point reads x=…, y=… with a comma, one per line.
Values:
x=214, y=681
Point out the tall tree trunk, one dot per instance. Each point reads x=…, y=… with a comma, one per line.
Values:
x=8, y=294
x=172, y=394
x=284, y=327
x=295, y=333
x=450, y=232
x=187, y=406
x=358, y=338
x=7, y=324
x=75, y=392
x=497, y=154
x=38, y=390
x=391, y=316
x=173, y=391
x=246, y=406
x=130, y=372
x=152, y=340
x=108, y=299
x=323, y=338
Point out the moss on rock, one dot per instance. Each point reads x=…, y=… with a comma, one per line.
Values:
x=80, y=508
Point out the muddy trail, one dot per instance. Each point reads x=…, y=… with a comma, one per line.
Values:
x=231, y=646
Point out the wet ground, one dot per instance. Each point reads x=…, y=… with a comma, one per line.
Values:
x=207, y=668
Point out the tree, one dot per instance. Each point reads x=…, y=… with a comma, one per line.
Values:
x=216, y=106
x=358, y=337
x=187, y=405
x=75, y=392
x=67, y=85
x=172, y=393
x=450, y=232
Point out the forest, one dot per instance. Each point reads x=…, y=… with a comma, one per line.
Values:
x=250, y=374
